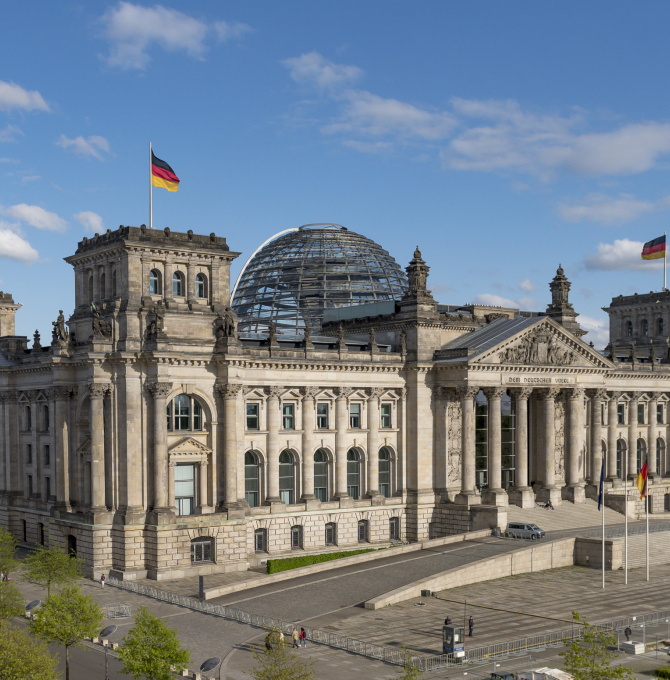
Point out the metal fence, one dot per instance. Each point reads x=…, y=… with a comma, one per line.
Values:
x=393, y=655
x=116, y=611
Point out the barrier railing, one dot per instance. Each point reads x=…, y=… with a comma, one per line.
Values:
x=393, y=655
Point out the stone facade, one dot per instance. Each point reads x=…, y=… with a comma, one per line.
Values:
x=153, y=440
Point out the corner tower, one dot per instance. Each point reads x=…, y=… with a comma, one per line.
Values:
x=560, y=309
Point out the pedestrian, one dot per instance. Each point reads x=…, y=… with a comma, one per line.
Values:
x=303, y=637
x=295, y=636
x=447, y=621
x=628, y=633
x=471, y=626
x=102, y=581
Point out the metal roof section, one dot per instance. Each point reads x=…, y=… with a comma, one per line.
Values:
x=359, y=311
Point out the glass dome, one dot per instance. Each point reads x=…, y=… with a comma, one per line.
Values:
x=291, y=280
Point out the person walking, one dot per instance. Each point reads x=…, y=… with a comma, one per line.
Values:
x=295, y=636
x=471, y=626
x=628, y=633
x=303, y=637
x=102, y=581
x=447, y=621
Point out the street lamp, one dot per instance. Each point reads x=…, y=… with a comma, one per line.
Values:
x=105, y=633
x=211, y=665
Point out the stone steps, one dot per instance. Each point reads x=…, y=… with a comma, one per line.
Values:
x=565, y=516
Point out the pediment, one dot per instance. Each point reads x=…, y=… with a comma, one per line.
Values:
x=545, y=343
x=189, y=449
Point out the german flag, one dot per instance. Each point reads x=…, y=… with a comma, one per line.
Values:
x=654, y=250
x=162, y=175
x=642, y=481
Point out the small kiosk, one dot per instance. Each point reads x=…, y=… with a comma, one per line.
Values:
x=453, y=641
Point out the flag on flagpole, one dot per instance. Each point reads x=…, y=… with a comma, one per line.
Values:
x=654, y=250
x=601, y=491
x=162, y=175
x=642, y=481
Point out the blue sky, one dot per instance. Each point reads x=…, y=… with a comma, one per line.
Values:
x=502, y=138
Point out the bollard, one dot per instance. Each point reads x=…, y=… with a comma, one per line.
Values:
x=104, y=643
x=115, y=645
x=95, y=640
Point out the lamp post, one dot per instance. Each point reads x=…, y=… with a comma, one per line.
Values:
x=105, y=633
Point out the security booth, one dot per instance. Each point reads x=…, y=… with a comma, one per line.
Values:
x=453, y=640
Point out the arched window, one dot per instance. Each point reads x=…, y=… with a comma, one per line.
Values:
x=286, y=477
x=155, y=282
x=620, y=457
x=321, y=475
x=629, y=329
x=90, y=288
x=202, y=550
x=296, y=537
x=251, y=485
x=178, y=284
x=644, y=327
x=114, y=283
x=362, y=531
x=353, y=473
x=200, y=286
x=331, y=533
x=659, y=326
x=641, y=453
x=103, y=281
x=384, y=472
x=184, y=413
x=660, y=454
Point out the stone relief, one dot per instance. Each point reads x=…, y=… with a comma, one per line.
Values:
x=539, y=347
x=559, y=429
x=454, y=442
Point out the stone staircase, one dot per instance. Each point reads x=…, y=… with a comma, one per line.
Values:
x=565, y=516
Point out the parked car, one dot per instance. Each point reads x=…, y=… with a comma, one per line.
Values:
x=502, y=676
x=523, y=530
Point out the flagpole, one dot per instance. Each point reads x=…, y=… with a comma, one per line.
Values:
x=646, y=504
x=665, y=260
x=625, y=514
x=151, y=193
x=601, y=501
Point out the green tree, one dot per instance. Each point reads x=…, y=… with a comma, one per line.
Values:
x=409, y=671
x=66, y=618
x=277, y=662
x=11, y=601
x=8, y=544
x=151, y=650
x=588, y=658
x=21, y=656
x=48, y=567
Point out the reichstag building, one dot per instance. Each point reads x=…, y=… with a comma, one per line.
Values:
x=171, y=427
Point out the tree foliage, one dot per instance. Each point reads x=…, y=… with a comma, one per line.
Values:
x=589, y=659
x=66, y=618
x=409, y=671
x=11, y=601
x=151, y=650
x=49, y=567
x=278, y=662
x=23, y=657
x=8, y=562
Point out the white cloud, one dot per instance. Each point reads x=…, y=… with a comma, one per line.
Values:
x=226, y=31
x=9, y=133
x=527, y=285
x=90, y=220
x=623, y=254
x=37, y=217
x=84, y=147
x=14, y=247
x=30, y=178
x=598, y=330
x=606, y=209
x=315, y=70
x=133, y=29
x=9, y=160
x=13, y=96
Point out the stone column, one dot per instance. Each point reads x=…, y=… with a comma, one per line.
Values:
x=521, y=494
x=95, y=273
x=574, y=477
x=373, y=446
x=468, y=495
x=171, y=500
x=632, y=436
x=273, y=417
x=402, y=472
x=653, y=434
x=612, y=432
x=341, y=427
x=96, y=393
x=230, y=448
x=549, y=490
x=12, y=457
x=168, y=270
x=597, y=397
x=190, y=282
x=107, y=293
x=308, y=445
x=160, y=391
x=61, y=397
x=495, y=494
x=202, y=476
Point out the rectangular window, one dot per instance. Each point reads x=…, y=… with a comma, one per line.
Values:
x=659, y=414
x=354, y=416
x=29, y=454
x=602, y=414
x=331, y=534
x=29, y=418
x=46, y=418
x=201, y=551
x=184, y=488
x=253, y=420
x=288, y=416
x=259, y=540
x=48, y=487
x=30, y=486
x=620, y=414
x=394, y=529
x=640, y=414
x=386, y=415
x=432, y=530
x=296, y=538
x=362, y=531
x=322, y=416
x=47, y=455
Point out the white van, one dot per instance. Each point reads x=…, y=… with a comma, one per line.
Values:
x=523, y=530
